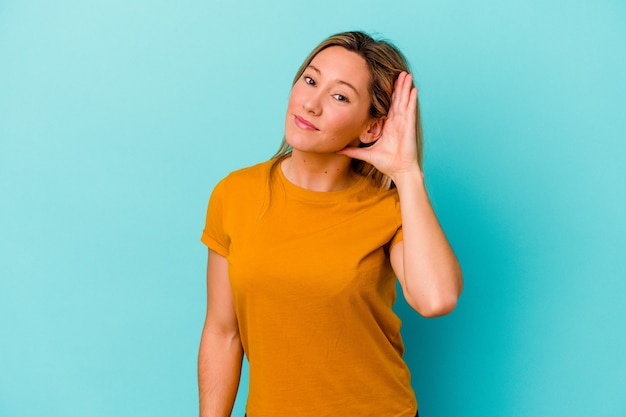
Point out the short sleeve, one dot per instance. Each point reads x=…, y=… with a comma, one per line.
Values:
x=397, y=237
x=214, y=235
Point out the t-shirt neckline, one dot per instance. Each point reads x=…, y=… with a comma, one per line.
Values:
x=301, y=193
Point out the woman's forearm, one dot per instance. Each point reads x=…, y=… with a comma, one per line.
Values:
x=219, y=370
x=431, y=272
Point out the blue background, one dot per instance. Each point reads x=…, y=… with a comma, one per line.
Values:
x=118, y=117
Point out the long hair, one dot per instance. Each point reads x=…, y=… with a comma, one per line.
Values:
x=385, y=63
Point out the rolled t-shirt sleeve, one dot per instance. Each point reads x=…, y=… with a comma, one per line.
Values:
x=397, y=237
x=214, y=234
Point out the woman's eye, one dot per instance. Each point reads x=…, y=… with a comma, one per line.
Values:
x=341, y=97
x=309, y=80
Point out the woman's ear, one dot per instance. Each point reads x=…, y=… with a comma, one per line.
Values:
x=374, y=131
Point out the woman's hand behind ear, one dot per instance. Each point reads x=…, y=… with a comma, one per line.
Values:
x=395, y=152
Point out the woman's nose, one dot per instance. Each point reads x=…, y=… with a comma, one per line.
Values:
x=313, y=104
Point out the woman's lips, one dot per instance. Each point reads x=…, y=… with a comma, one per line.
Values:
x=304, y=124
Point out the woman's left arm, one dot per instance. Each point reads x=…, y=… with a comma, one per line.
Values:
x=428, y=271
x=424, y=262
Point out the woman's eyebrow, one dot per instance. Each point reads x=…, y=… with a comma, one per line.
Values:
x=314, y=68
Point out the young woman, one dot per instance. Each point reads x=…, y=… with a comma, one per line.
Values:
x=304, y=249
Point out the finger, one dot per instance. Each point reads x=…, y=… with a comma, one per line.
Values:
x=402, y=91
x=398, y=81
x=357, y=153
x=412, y=107
x=407, y=85
x=395, y=93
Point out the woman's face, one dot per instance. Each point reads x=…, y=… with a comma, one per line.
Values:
x=329, y=104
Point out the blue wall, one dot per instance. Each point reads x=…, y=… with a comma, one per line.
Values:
x=118, y=117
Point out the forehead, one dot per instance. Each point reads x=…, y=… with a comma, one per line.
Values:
x=338, y=64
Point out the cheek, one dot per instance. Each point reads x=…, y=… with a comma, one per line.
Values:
x=291, y=106
x=347, y=123
x=294, y=95
x=290, y=101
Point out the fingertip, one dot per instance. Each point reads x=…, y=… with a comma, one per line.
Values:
x=345, y=151
x=352, y=152
x=407, y=79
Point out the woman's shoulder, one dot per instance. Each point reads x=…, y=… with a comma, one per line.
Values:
x=250, y=175
x=244, y=184
x=243, y=189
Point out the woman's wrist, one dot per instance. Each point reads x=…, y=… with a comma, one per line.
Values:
x=409, y=178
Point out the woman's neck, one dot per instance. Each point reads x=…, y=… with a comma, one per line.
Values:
x=319, y=172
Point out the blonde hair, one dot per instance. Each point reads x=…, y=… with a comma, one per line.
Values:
x=385, y=63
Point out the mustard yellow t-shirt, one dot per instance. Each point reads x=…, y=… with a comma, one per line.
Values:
x=313, y=292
